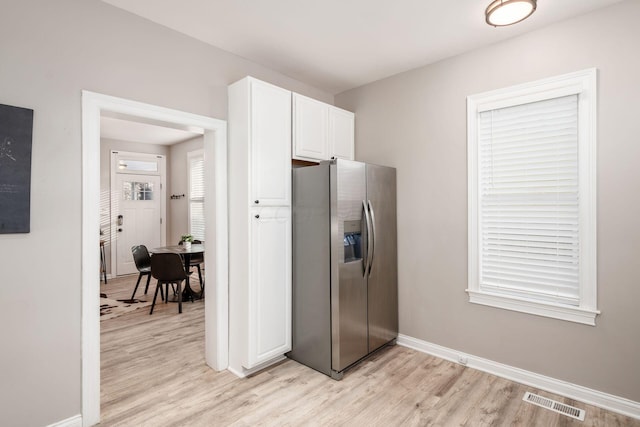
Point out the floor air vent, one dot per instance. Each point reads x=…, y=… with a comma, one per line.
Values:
x=555, y=406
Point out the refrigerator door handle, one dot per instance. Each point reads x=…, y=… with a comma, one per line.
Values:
x=369, y=234
x=373, y=236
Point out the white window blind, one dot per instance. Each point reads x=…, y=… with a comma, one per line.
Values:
x=196, y=196
x=529, y=201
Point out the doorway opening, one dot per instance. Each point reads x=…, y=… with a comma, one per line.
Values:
x=216, y=231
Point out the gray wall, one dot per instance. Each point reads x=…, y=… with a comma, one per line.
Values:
x=178, y=183
x=49, y=52
x=416, y=121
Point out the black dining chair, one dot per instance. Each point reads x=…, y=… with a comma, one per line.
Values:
x=167, y=268
x=196, y=260
x=143, y=263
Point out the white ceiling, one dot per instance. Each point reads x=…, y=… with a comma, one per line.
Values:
x=336, y=45
x=131, y=130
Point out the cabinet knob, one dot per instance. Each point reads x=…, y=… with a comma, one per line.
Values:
x=256, y=202
x=257, y=216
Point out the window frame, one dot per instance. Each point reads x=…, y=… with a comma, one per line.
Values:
x=584, y=84
x=190, y=156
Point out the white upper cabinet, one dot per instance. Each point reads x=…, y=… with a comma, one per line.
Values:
x=310, y=128
x=341, y=133
x=321, y=131
x=270, y=146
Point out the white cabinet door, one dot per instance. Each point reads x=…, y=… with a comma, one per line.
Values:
x=269, y=294
x=341, y=133
x=270, y=147
x=310, y=128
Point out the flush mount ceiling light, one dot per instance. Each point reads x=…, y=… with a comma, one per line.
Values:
x=506, y=12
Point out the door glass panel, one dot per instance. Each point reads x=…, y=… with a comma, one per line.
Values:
x=138, y=165
x=137, y=190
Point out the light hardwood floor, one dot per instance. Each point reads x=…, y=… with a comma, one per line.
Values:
x=154, y=374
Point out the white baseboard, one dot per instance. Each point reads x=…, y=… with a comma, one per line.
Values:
x=75, y=421
x=573, y=391
x=242, y=373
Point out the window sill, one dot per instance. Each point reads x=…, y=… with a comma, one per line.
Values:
x=571, y=314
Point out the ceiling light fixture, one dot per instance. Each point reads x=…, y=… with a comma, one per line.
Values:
x=506, y=12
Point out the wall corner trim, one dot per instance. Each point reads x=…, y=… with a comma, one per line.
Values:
x=75, y=421
x=583, y=394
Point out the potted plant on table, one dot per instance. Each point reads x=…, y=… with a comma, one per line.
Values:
x=186, y=240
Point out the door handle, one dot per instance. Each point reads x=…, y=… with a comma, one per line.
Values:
x=120, y=219
x=373, y=239
x=366, y=217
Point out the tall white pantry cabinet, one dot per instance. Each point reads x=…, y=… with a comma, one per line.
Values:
x=259, y=224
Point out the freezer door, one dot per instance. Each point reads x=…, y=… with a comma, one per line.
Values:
x=383, y=273
x=348, y=249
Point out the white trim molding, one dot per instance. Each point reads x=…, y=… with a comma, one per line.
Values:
x=523, y=305
x=586, y=395
x=75, y=421
x=217, y=254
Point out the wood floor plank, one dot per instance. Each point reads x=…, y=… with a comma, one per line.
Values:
x=153, y=373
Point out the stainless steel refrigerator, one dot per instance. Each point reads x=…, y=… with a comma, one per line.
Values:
x=345, y=293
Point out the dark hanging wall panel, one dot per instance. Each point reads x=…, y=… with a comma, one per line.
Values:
x=16, y=129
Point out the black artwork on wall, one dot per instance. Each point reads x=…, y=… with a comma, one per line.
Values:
x=16, y=129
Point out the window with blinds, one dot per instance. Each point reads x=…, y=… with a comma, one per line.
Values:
x=196, y=195
x=529, y=216
x=532, y=236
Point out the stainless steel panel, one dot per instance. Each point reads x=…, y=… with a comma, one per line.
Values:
x=348, y=286
x=383, y=279
x=311, y=326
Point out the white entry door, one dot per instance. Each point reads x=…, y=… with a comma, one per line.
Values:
x=138, y=217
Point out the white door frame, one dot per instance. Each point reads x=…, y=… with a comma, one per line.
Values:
x=217, y=255
x=114, y=198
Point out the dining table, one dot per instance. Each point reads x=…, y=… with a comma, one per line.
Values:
x=186, y=252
